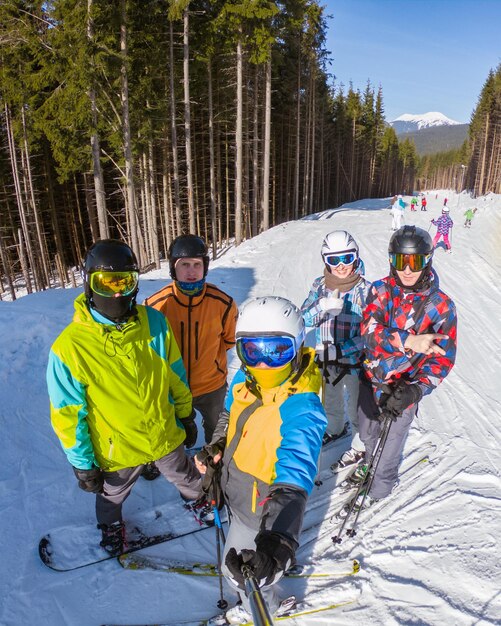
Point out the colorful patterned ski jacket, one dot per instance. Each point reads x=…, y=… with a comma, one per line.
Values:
x=343, y=329
x=390, y=316
x=273, y=441
x=443, y=224
x=204, y=327
x=116, y=391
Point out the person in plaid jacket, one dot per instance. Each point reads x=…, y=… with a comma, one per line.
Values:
x=409, y=328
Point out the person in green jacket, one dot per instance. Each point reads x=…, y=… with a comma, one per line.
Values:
x=119, y=396
x=469, y=215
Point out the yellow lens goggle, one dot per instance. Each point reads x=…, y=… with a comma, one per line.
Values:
x=110, y=284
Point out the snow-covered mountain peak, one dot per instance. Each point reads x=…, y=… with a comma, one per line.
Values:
x=413, y=122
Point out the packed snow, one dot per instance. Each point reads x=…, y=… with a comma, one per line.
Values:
x=429, y=554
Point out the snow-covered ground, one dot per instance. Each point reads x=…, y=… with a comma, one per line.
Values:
x=430, y=555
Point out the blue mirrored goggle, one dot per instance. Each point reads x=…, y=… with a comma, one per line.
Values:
x=272, y=351
x=340, y=259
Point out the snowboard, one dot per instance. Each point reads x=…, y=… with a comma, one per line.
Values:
x=75, y=546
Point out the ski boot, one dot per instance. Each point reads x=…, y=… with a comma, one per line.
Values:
x=327, y=438
x=202, y=510
x=113, y=537
x=350, y=457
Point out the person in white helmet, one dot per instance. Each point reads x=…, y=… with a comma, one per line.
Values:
x=444, y=224
x=269, y=438
x=397, y=212
x=334, y=307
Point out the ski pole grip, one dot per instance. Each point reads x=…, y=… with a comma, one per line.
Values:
x=260, y=612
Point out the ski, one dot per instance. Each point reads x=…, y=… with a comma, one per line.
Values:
x=159, y=564
x=411, y=469
x=302, y=610
x=347, y=491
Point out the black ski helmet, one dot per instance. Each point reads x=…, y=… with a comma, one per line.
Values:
x=190, y=247
x=109, y=255
x=410, y=240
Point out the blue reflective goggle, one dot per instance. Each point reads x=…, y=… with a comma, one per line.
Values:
x=340, y=259
x=273, y=351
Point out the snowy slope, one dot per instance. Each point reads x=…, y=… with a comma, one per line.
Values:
x=409, y=122
x=430, y=554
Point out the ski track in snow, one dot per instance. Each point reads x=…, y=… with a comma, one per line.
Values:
x=429, y=554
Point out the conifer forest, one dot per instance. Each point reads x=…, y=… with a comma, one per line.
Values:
x=145, y=119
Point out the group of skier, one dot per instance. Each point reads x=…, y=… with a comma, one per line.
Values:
x=443, y=222
x=125, y=379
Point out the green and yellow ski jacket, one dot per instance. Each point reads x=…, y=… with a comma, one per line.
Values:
x=116, y=390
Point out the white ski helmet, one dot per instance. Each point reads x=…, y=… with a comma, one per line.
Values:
x=445, y=209
x=338, y=242
x=271, y=316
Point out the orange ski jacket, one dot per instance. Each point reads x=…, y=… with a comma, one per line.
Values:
x=204, y=328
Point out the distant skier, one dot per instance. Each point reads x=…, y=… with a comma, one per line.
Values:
x=334, y=307
x=269, y=437
x=423, y=203
x=414, y=203
x=410, y=328
x=469, y=215
x=444, y=224
x=445, y=201
x=118, y=393
x=397, y=213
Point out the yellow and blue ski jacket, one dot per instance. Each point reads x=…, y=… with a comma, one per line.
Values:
x=116, y=390
x=273, y=441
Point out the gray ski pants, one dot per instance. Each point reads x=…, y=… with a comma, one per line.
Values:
x=387, y=472
x=210, y=406
x=176, y=467
x=340, y=404
x=240, y=536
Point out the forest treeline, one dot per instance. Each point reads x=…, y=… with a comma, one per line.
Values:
x=145, y=119
x=475, y=166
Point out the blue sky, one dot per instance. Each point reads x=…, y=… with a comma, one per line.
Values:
x=428, y=55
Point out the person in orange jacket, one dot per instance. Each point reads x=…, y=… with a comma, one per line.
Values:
x=203, y=319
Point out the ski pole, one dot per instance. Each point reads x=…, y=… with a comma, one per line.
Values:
x=260, y=612
x=351, y=532
x=367, y=483
x=222, y=602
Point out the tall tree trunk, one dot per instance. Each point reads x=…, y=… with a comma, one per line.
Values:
x=212, y=165
x=102, y=216
x=19, y=200
x=255, y=158
x=42, y=266
x=187, y=122
x=129, y=165
x=239, y=145
x=298, y=141
x=265, y=203
x=173, y=128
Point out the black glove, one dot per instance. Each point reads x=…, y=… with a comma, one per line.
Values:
x=273, y=555
x=211, y=480
x=208, y=452
x=90, y=480
x=402, y=396
x=191, y=430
